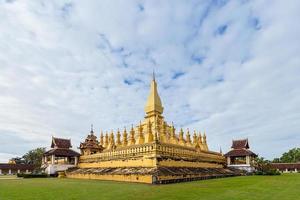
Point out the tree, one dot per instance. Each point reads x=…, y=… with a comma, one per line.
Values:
x=34, y=156
x=291, y=156
x=276, y=160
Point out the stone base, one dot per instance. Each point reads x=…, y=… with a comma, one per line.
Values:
x=245, y=167
x=52, y=169
x=160, y=175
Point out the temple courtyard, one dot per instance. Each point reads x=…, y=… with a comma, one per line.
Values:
x=281, y=187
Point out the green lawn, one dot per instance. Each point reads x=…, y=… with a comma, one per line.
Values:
x=246, y=187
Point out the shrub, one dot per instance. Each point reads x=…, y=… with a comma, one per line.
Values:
x=33, y=175
x=259, y=173
x=270, y=172
x=20, y=174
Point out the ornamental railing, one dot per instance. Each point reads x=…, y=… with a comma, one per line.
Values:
x=159, y=150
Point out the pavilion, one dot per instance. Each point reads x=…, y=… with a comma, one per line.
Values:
x=60, y=157
x=240, y=156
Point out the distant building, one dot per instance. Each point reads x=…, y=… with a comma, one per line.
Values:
x=286, y=167
x=12, y=168
x=60, y=157
x=240, y=156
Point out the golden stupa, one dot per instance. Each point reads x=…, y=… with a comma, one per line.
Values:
x=151, y=152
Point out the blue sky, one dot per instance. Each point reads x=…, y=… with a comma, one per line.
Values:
x=231, y=68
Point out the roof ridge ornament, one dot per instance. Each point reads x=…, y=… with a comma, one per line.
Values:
x=92, y=129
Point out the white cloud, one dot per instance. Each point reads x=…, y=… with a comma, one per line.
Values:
x=65, y=64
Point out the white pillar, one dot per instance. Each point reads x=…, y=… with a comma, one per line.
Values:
x=19, y=171
x=0, y=171
x=26, y=171
x=52, y=159
x=76, y=160
x=228, y=161
x=9, y=171
x=247, y=160
x=296, y=170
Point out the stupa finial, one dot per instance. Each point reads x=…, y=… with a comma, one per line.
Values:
x=153, y=75
x=153, y=105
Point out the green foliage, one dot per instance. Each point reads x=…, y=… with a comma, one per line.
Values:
x=284, y=187
x=276, y=160
x=291, y=156
x=34, y=156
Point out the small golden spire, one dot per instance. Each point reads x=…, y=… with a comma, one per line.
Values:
x=195, y=138
x=188, y=137
x=150, y=135
x=111, y=140
x=173, y=136
x=118, y=138
x=106, y=140
x=200, y=138
x=204, y=138
x=141, y=135
x=204, y=142
x=101, y=139
x=163, y=135
x=132, y=139
x=125, y=142
x=181, y=140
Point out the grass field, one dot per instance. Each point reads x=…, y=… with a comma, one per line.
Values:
x=284, y=187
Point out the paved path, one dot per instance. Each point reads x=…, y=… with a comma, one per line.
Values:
x=8, y=177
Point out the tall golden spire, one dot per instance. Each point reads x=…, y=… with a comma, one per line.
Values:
x=153, y=105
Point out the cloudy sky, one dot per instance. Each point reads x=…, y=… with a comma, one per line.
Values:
x=231, y=68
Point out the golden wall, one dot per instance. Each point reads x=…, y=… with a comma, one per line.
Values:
x=153, y=155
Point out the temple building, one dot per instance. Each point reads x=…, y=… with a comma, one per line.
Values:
x=91, y=145
x=150, y=152
x=60, y=157
x=13, y=168
x=286, y=167
x=240, y=156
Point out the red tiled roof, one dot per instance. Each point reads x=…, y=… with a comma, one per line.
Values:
x=62, y=152
x=240, y=144
x=16, y=166
x=240, y=152
x=61, y=143
x=284, y=166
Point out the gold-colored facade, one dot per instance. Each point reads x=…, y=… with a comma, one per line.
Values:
x=150, y=152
